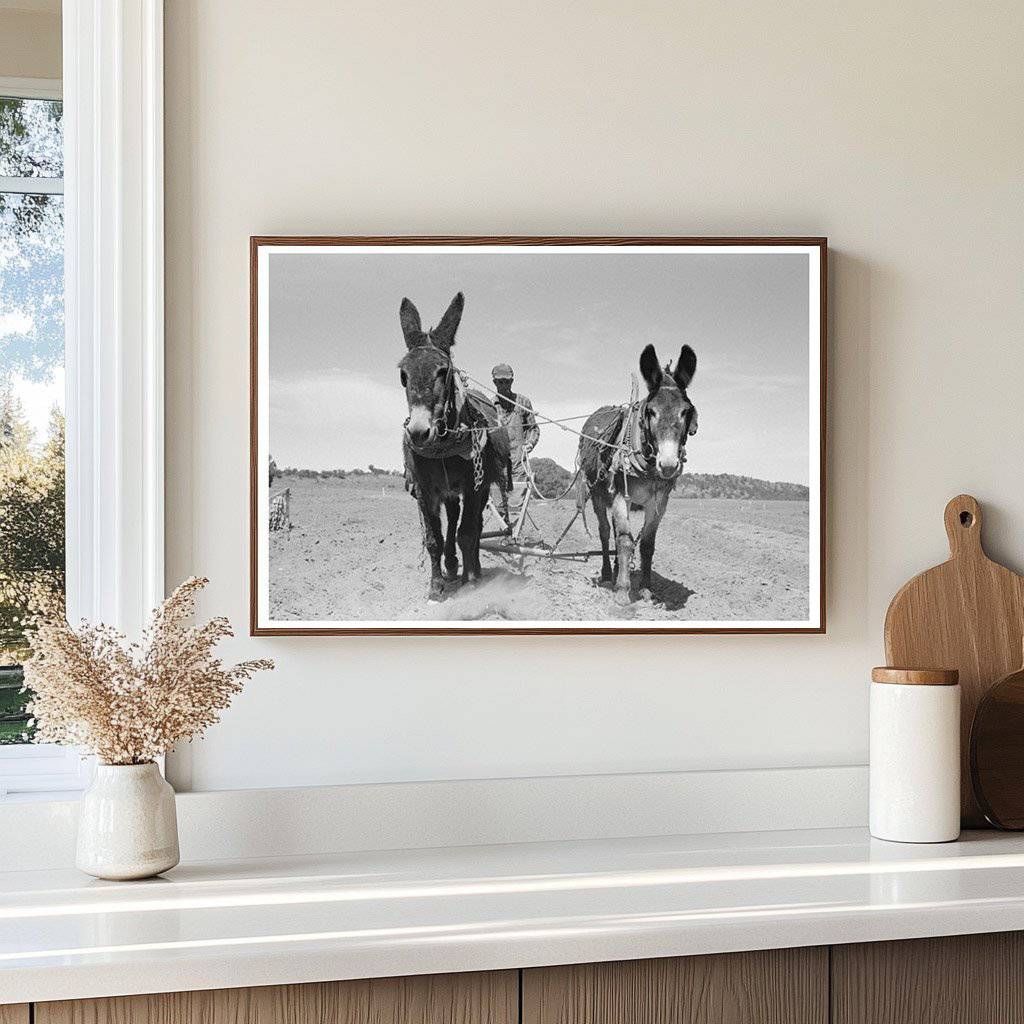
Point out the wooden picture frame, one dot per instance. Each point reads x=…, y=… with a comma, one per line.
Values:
x=262, y=247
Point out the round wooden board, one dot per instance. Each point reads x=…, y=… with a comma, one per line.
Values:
x=997, y=753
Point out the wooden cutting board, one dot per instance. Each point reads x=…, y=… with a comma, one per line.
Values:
x=967, y=614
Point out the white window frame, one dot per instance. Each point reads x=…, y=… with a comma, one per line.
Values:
x=31, y=88
x=114, y=328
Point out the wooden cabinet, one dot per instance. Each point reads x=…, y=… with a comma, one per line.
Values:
x=970, y=979
x=491, y=998
x=779, y=986
x=963, y=979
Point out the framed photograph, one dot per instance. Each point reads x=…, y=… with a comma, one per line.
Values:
x=537, y=435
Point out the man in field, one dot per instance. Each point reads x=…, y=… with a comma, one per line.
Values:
x=515, y=412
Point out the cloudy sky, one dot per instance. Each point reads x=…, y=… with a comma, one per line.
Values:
x=572, y=325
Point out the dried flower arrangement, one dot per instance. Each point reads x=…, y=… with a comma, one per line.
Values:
x=129, y=703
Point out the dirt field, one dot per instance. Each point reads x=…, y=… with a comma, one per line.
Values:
x=354, y=552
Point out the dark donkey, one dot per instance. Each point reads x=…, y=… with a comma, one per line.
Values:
x=654, y=433
x=452, y=452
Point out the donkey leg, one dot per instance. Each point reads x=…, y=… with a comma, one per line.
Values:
x=600, y=503
x=623, y=547
x=451, y=560
x=433, y=541
x=469, y=537
x=653, y=512
x=646, y=556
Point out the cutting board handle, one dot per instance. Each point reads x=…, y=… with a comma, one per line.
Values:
x=963, y=526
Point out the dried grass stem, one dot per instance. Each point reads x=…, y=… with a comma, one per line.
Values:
x=129, y=703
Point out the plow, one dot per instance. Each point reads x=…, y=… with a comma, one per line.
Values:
x=508, y=540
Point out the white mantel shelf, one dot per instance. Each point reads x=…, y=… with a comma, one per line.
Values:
x=273, y=921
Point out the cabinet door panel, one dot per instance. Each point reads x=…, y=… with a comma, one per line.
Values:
x=481, y=998
x=14, y=1013
x=779, y=986
x=961, y=979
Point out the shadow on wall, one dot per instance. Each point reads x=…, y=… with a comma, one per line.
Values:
x=854, y=289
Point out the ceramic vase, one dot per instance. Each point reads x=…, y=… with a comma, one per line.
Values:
x=127, y=826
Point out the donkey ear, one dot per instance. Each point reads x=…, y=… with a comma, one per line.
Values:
x=652, y=372
x=443, y=335
x=685, y=368
x=409, y=318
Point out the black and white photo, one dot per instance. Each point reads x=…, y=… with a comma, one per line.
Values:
x=552, y=435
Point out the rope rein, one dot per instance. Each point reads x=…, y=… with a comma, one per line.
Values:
x=532, y=481
x=547, y=419
x=623, y=449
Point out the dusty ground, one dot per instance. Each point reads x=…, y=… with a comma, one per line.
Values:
x=354, y=552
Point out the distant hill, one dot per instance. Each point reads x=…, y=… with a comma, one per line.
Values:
x=552, y=479
x=728, y=485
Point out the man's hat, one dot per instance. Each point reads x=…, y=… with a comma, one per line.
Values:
x=502, y=372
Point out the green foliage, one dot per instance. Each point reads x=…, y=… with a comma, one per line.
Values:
x=14, y=727
x=31, y=138
x=31, y=544
x=31, y=347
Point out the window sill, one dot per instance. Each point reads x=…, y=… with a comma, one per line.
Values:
x=30, y=772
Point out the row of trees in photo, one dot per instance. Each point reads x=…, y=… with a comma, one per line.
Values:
x=328, y=474
x=729, y=485
x=552, y=479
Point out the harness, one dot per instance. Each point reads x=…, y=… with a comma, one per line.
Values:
x=450, y=438
x=635, y=452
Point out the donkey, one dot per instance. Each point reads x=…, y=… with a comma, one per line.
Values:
x=658, y=431
x=444, y=461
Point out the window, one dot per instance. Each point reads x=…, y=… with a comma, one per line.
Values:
x=32, y=555
x=109, y=169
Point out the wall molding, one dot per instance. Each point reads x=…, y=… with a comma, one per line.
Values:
x=113, y=111
x=232, y=825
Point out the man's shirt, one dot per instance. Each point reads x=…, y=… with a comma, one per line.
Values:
x=521, y=425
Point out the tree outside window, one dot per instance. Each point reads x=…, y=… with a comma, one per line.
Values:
x=31, y=386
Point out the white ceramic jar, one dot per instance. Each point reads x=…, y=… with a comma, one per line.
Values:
x=915, y=755
x=127, y=825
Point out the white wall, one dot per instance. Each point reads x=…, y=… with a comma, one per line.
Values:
x=895, y=129
x=30, y=39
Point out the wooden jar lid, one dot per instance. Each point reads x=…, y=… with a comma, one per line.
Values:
x=916, y=676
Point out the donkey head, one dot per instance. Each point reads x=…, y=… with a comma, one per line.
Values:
x=667, y=415
x=426, y=371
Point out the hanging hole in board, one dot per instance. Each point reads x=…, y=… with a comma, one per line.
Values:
x=966, y=519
